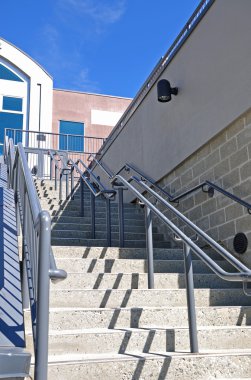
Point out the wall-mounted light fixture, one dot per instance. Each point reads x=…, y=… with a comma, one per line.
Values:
x=165, y=91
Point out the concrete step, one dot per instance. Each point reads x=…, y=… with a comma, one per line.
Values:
x=87, y=209
x=123, y=253
x=102, y=243
x=98, y=203
x=98, y=214
x=147, y=317
x=126, y=341
x=99, y=227
x=122, y=341
x=132, y=265
x=145, y=366
x=55, y=233
x=114, y=298
x=77, y=219
x=139, y=281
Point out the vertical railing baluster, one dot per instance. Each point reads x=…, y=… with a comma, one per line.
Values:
x=82, y=198
x=25, y=288
x=190, y=299
x=108, y=222
x=66, y=185
x=72, y=182
x=92, y=216
x=121, y=217
x=56, y=175
x=51, y=168
x=60, y=186
x=41, y=347
x=149, y=247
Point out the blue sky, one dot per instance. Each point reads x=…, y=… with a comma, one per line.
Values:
x=100, y=46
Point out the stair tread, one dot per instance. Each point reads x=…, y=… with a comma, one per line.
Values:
x=137, y=356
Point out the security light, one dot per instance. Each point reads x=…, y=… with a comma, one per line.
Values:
x=165, y=91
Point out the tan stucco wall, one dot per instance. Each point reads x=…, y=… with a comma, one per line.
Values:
x=77, y=106
x=212, y=72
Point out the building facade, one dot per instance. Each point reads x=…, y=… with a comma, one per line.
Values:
x=29, y=103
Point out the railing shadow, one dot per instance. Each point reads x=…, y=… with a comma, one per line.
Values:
x=11, y=321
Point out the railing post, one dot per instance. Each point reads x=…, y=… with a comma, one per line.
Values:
x=66, y=185
x=25, y=283
x=51, y=169
x=149, y=247
x=108, y=222
x=190, y=299
x=15, y=186
x=82, y=199
x=55, y=181
x=72, y=182
x=92, y=216
x=121, y=217
x=40, y=160
x=41, y=346
x=60, y=186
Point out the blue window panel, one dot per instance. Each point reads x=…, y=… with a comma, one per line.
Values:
x=8, y=74
x=71, y=141
x=12, y=104
x=11, y=120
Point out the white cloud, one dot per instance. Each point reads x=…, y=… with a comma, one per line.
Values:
x=102, y=12
x=77, y=27
x=83, y=82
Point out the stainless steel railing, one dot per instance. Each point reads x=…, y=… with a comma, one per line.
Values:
x=39, y=265
x=243, y=273
x=97, y=189
x=56, y=141
x=60, y=171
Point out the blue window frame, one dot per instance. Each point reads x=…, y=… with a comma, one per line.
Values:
x=74, y=136
x=7, y=74
x=12, y=104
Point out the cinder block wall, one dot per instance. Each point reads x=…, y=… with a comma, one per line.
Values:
x=226, y=161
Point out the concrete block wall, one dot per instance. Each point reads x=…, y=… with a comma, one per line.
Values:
x=226, y=161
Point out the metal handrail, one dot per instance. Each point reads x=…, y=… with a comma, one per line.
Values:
x=62, y=170
x=243, y=275
x=108, y=173
x=127, y=167
x=175, y=199
x=51, y=133
x=213, y=186
x=222, y=251
x=39, y=263
x=97, y=189
x=100, y=188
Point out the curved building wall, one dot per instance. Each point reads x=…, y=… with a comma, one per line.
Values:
x=34, y=88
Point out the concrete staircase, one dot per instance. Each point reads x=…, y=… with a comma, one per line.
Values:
x=105, y=323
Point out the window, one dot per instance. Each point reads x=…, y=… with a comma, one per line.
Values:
x=13, y=121
x=8, y=74
x=11, y=117
x=12, y=104
x=71, y=136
